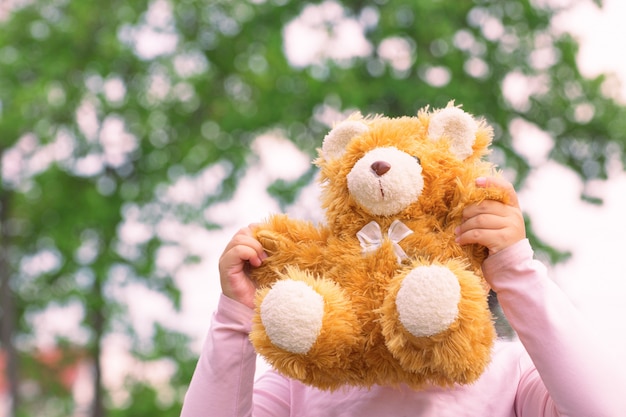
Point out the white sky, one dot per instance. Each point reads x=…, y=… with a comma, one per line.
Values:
x=602, y=33
x=595, y=277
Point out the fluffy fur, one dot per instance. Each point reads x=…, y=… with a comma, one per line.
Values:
x=362, y=339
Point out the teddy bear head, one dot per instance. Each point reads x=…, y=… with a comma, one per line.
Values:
x=379, y=167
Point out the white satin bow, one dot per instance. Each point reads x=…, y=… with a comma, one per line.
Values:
x=371, y=237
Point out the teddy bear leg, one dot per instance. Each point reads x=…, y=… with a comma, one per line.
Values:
x=437, y=323
x=306, y=328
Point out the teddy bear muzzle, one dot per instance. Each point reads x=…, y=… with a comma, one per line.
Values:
x=385, y=181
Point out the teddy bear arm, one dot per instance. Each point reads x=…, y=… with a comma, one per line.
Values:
x=281, y=233
x=288, y=243
x=480, y=194
x=465, y=196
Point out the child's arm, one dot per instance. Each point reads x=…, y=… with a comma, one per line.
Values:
x=574, y=373
x=223, y=382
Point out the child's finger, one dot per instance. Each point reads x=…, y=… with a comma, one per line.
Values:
x=244, y=247
x=487, y=206
x=483, y=221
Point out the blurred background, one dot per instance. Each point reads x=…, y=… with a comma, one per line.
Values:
x=137, y=136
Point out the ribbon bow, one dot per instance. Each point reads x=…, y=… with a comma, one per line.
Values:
x=371, y=237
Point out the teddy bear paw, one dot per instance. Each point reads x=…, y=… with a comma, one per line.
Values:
x=272, y=241
x=428, y=299
x=292, y=314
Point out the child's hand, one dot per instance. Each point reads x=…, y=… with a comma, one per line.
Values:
x=242, y=252
x=490, y=223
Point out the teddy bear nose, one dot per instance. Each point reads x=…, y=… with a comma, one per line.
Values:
x=381, y=167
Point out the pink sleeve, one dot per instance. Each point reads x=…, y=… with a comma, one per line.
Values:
x=223, y=382
x=576, y=374
x=224, y=376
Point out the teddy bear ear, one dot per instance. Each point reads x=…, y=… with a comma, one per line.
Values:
x=457, y=126
x=335, y=142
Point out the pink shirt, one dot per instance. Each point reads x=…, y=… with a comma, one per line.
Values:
x=571, y=372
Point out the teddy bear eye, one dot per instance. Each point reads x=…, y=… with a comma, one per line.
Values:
x=417, y=159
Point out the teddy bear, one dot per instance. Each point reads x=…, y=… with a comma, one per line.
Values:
x=380, y=292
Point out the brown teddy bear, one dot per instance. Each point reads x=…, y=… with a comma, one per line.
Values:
x=381, y=293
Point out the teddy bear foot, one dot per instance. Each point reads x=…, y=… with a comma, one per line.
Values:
x=292, y=314
x=428, y=299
